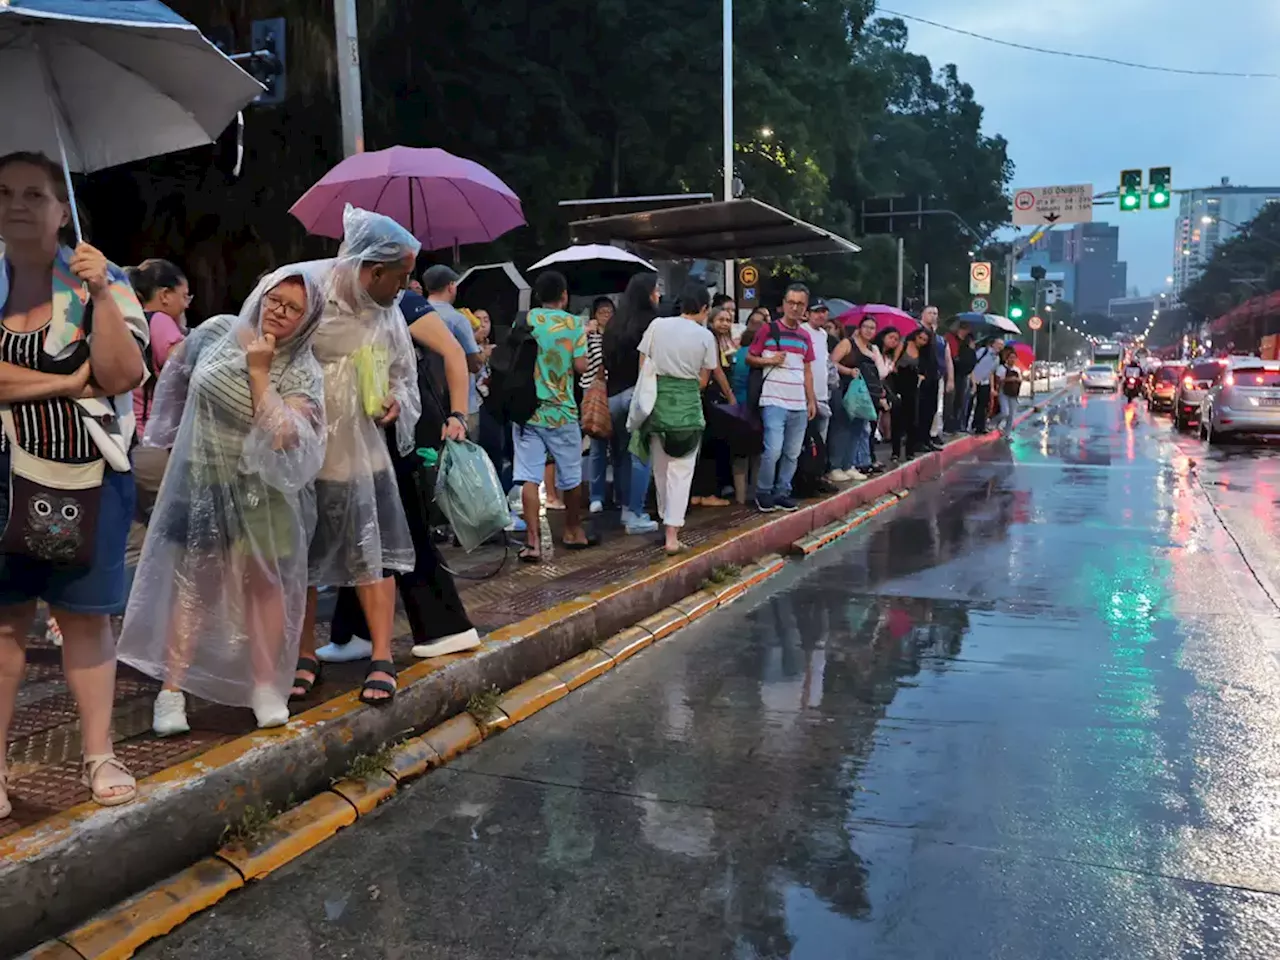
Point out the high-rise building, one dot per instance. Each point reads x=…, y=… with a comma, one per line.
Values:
x=1207, y=218
x=1082, y=261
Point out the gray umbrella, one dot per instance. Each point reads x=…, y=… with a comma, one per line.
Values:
x=122, y=80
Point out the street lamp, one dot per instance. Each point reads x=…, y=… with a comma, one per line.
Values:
x=766, y=132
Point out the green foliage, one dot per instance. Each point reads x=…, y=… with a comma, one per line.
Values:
x=1246, y=266
x=569, y=100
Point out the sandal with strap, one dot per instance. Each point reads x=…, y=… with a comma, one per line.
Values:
x=100, y=785
x=305, y=665
x=379, y=686
x=6, y=806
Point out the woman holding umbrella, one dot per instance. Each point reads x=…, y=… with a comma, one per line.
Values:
x=72, y=330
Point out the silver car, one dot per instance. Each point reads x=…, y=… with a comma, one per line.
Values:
x=1197, y=380
x=1245, y=400
x=1099, y=377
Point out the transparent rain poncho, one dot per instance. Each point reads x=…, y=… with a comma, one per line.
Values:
x=219, y=594
x=364, y=349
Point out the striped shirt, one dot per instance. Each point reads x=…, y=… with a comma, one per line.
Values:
x=784, y=386
x=50, y=429
x=595, y=359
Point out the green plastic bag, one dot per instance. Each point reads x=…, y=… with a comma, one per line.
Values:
x=857, y=401
x=470, y=495
x=373, y=377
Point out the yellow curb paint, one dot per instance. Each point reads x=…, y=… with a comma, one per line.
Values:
x=290, y=835
x=120, y=931
x=583, y=668
x=425, y=668
x=531, y=696
x=412, y=759
x=697, y=604
x=496, y=721
x=53, y=950
x=626, y=644
x=663, y=623
x=453, y=737
x=366, y=794
x=730, y=591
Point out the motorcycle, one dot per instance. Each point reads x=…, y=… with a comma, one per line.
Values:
x=1132, y=387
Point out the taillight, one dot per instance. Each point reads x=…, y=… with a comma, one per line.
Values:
x=1231, y=380
x=1188, y=383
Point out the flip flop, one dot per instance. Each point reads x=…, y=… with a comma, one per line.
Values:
x=592, y=541
x=529, y=555
x=682, y=548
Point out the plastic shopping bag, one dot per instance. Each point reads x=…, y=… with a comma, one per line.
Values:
x=373, y=377
x=643, y=397
x=469, y=494
x=857, y=401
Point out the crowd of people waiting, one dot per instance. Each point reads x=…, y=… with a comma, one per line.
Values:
x=277, y=452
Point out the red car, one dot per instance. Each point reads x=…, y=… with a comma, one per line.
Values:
x=1164, y=386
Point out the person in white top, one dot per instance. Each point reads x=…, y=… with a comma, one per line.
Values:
x=982, y=377
x=818, y=314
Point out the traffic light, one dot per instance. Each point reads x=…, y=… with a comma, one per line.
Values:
x=1016, y=310
x=1130, y=191
x=1161, y=194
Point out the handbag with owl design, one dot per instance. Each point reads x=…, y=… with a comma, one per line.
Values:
x=53, y=507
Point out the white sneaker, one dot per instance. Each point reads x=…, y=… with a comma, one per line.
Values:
x=169, y=714
x=596, y=507
x=856, y=475
x=357, y=648
x=839, y=476
x=458, y=643
x=270, y=709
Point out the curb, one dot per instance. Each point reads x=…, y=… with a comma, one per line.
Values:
x=56, y=874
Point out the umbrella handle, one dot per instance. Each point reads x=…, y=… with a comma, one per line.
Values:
x=52, y=91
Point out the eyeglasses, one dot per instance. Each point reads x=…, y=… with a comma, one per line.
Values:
x=801, y=304
x=280, y=305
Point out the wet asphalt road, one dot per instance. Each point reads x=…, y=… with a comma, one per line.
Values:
x=1032, y=712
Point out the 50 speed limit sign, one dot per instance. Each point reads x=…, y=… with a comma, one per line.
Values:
x=979, y=278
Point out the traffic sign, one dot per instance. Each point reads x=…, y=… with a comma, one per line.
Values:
x=1035, y=323
x=979, y=278
x=1036, y=206
x=748, y=275
x=749, y=293
x=979, y=305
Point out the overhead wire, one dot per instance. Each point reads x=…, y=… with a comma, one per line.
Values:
x=1114, y=61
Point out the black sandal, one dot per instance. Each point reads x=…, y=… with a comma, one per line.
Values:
x=311, y=666
x=379, y=686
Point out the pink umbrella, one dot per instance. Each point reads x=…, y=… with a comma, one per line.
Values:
x=887, y=318
x=443, y=200
x=1026, y=356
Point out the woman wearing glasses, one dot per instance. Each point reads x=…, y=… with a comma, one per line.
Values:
x=220, y=591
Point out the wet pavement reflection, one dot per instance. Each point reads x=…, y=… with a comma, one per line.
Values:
x=1030, y=713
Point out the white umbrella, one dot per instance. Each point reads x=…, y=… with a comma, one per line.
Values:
x=595, y=268
x=1002, y=323
x=105, y=82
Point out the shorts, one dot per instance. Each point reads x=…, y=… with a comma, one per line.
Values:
x=534, y=444
x=98, y=589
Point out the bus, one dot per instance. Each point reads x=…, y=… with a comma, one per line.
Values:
x=1109, y=353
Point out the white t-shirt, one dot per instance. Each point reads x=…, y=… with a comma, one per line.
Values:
x=986, y=365
x=679, y=347
x=821, y=354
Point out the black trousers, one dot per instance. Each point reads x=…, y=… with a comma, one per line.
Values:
x=981, y=404
x=906, y=421
x=429, y=595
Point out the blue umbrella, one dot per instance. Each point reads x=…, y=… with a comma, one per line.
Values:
x=123, y=80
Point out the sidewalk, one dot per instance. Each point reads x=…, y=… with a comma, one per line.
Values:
x=62, y=858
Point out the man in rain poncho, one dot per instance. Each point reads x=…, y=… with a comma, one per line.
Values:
x=370, y=376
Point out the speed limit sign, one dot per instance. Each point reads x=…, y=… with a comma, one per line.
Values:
x=1035, y=323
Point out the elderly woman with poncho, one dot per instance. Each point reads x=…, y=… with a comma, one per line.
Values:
x=217, y=603
x=681, y=353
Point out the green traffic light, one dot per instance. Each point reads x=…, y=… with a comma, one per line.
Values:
x=1159, y=199
x=1015, y=313
x=1129, y=201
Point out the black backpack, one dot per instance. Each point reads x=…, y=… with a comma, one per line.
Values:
x=755, y=377
x=513, y=394
x=810, y=466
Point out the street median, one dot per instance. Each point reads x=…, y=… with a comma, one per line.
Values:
x=61, y=871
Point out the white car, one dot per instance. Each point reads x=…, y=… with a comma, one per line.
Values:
x=1246, y=399
x=1100, y=376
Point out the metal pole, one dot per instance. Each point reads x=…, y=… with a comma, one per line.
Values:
x=926, y=285
x=901, y=254
x=1008, y=281
x=1033, y=364
x=726, y=43
x=348, y=59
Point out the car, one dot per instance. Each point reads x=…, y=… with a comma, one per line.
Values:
x=1100, y=376
x=1164, y=386
x=1246, y=399
x=1197, y=380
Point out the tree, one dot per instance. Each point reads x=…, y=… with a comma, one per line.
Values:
x=1246, y=266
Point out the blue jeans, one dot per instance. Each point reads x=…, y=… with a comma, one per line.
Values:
x=850, y=443
x=783, y=440
x=630, y=474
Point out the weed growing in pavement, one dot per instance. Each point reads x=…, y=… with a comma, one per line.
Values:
x=251, y=827
x=365, y=766
x=721, y=575
x=484, y=704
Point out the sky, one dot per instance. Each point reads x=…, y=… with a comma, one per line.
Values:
x=1073, y=121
